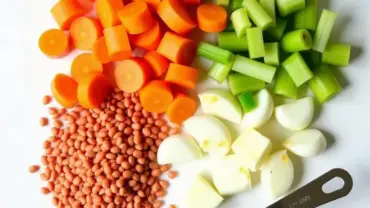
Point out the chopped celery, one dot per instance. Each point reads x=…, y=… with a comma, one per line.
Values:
x=254, y=68
x=239, y=83
x=269, y=7
x=247, y=101
x=323, y=31
x=230, y=27
x=255, y=42
x=297, y=69
x=289, y=6
x=284, y=85
x=220, y=71
x=307, y=17
x=222, y=2
x=272, y=54
x=213, y=53
x=240, y=21
x=297, y=40
x=259, y=16
x=230, y=41
x=275, y=33
x=235, y=4
x=324, y=84
x=337, y=54
x=312, y=58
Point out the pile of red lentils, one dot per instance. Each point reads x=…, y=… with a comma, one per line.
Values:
x=105, y=157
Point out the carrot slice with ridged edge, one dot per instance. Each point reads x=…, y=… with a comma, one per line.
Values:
x=182, y=108
x=107, y=12
x=158, y=63
x=84, y=64
x=100, y=51
x=148, y=40
x=64, y=90
x=156, y=96
x=136, y=17
x=176, y=16
x=65, y=11
x=183, y=76
x=211, y=18
x=118, y=44
x=54, y=43
x=85, y=31
x=92, y=90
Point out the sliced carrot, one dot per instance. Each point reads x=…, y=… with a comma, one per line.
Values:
x=64, y=90
x=148, y=40
x=158, y=63
x=182, y=108
x=117, y=42
x=100, y=51
x=183, y=76
x=88, y=5
x=107, y=11
x=136, y=17
x=85, y=31
x=211, y=18
x=176, y=16
x=54, y=43
x=84, y=64
x=92, y=90
x=177, y=48
x=153, y=3
x=65, y=11
x=108, y=71
x=132, y=74
x=156, y=96
x=192, y=2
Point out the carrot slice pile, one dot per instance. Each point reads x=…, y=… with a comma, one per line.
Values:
x=84, y=64
x=131, y=74
x=117, y=42
x=85, y=32
x=148, y=40
x=158, y=63
x=153, y=3
x=211, y=18
x=192, y=2
x=176, y=17
x=156, y=96
x=183, y=76
x=107, y=10
x=182, y=108
x=92, y=90
x=65, y=11
x=136, y=17
x=177, y=48
x=54, y=43
x=100, y=51
x=64, y=90
x=88, y=5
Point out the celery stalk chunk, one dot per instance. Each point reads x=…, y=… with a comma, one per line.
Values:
x=269, y=7
x=272, y=54
x=284, y=85
x=286, y=7
x=239, y=83
x=297, y=40
x=258, y=15
x=222, y=2
x=307, y=17
x=275, y=33
x=247, y=101
x=255, y=42
x=297, y=69
x=240, y=21
x=323, y=31
x=337, y=54
x=213, y=53
x=235, y=4
x=220, y=71
x=230, y=41
x=254, y=68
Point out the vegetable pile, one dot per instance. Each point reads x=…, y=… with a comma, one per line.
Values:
x=110, y=143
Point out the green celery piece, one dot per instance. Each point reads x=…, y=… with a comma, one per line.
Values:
x=255, y=42
x=239, y=83
x=230, y=27
x=286, y=7
x=230, y=41
x=323, y=31
x=297, y=40
x=240, y=21
x=235, y=4
x=269, y=7
x=213, y=53
x=337, y=54
x=284, y=85
x=324, y=84
x=220, y=71
x=297, y=69
x=312, y=58
x=258, y=15
x=254, y=68
x=275, y=33
x=246, y=99
x=224, y=3
x=272, y=54
x=307, y=17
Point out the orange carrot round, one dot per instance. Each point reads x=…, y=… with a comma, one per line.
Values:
x=64, y=90
x=177, y=48
x=65, y=11
x=148, y=40
x=54, y=43
x=183, y=76
x=182, y=108
x=131, y=74
x=107, y=10
x=158, y=63
x=85, y=31
x=92, y=90
x=211, y=18
x=88, y=5
x=84, y=64
x=176, y=16
x=156, y=96
x=136, y=17
x=108, y=71
x=100, y=51
x=118, y=44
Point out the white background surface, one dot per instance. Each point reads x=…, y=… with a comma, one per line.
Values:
x=26, y=75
